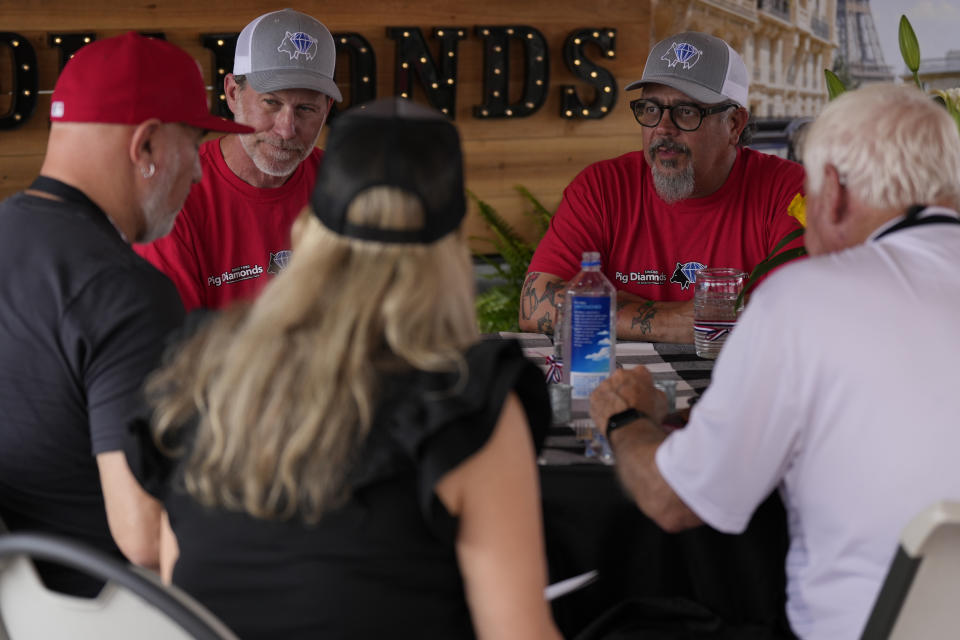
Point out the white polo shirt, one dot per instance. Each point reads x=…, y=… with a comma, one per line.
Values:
x=839, y=386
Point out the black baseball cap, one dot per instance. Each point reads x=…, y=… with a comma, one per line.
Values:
x=398, y=143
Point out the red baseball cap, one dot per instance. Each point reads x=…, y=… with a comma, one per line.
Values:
x=129, y=79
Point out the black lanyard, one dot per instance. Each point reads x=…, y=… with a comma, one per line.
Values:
x=73, y=195
x=913, y=219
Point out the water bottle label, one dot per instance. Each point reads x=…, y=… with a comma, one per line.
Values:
x=590, y=344
x=582, y=384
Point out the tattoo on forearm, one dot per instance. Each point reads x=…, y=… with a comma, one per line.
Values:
x=530, y=302
x=545, y=324
x=528, y=297
x=644, y=318
x=551, y=291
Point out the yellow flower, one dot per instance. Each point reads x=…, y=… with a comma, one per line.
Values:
x=798, y=209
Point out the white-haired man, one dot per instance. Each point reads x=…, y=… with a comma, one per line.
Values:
x=234, y=230
x=84, y=319
x=694, y=197
x=838, y=385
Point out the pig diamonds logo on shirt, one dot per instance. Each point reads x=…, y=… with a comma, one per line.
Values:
x=237, y=274
x=278, y=261
x=649, y=276
x=299, y=44
x=685, y=273
x=682, y=53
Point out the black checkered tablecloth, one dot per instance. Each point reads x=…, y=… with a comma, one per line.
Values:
x=665, y=361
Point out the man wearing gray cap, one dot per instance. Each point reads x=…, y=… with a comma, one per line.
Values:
x=234, y=230
x=694, y=197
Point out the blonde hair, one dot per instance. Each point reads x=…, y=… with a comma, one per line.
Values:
x=894, y=145
x=284, y=391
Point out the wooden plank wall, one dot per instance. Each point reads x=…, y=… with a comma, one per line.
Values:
x=542, y=151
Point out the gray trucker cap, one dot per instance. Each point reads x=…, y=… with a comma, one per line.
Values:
x=702, y=66
x=287, y=50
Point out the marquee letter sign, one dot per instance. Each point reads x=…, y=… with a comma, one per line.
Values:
x=25, y=78
x=223, y=46
x=363, y=66
x=496, y=71
x=582, y=67
x=437, y=76
x=412, y=54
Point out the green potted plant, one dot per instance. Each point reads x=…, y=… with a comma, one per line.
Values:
x=498, y=307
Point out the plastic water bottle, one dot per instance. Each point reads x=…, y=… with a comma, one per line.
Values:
x=589, y=330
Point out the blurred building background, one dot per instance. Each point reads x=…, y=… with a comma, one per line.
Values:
x=939, y=73
x=859, y=56
x=786, y=45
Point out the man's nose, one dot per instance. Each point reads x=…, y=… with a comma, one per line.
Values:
x=284, y=124
x=666, y=124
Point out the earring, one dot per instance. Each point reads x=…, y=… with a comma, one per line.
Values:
x=148, y=173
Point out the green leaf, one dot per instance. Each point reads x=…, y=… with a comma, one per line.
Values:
x=508, y=243
x=767, y=265
x=498, y=307
x=834, y=84
x=909, y=47
x=539, y=213
x=497, y=310
x=787, y=239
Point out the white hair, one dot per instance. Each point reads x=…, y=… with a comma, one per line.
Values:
x=894, y=146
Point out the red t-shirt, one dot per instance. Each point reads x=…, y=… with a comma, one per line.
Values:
x=651, y=248
x=230, y=236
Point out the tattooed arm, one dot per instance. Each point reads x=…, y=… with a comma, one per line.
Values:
x=641, y=319
x=539, y=299
x=637, y=318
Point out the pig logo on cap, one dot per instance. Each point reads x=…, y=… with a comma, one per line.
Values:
x=682, y=53
x=297, y=44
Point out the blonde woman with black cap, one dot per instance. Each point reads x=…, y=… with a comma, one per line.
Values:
x=348, y=460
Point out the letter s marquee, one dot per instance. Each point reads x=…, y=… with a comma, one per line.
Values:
x=583, y=68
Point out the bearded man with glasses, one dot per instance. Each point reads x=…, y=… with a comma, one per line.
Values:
x=693, y=197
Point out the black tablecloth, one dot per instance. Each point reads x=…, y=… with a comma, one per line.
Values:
x=589, y=523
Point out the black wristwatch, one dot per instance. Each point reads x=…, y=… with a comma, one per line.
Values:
x=624, y=418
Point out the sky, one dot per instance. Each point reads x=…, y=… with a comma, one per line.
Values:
x=936, y=23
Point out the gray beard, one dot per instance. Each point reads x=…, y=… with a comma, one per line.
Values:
x=675, y=186
x=158, y=219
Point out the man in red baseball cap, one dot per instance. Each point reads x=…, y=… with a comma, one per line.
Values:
x=84, y=319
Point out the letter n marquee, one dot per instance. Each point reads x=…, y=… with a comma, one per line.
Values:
x=413, y=55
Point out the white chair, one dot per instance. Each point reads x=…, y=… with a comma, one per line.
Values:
x=133, y=604
x=920, y=597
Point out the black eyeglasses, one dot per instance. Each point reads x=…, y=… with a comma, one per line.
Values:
x=687, y=117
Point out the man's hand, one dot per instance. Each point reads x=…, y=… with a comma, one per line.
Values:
x=635, y=445
x=623, y=390
x=540, y=300
x=640, y=319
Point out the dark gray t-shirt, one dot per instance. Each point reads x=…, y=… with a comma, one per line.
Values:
x=83, y=321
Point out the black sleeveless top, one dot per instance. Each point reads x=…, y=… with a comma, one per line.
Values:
x=384, y=565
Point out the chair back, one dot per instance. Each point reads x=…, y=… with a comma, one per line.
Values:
x=918, y=598
x=133, y=604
